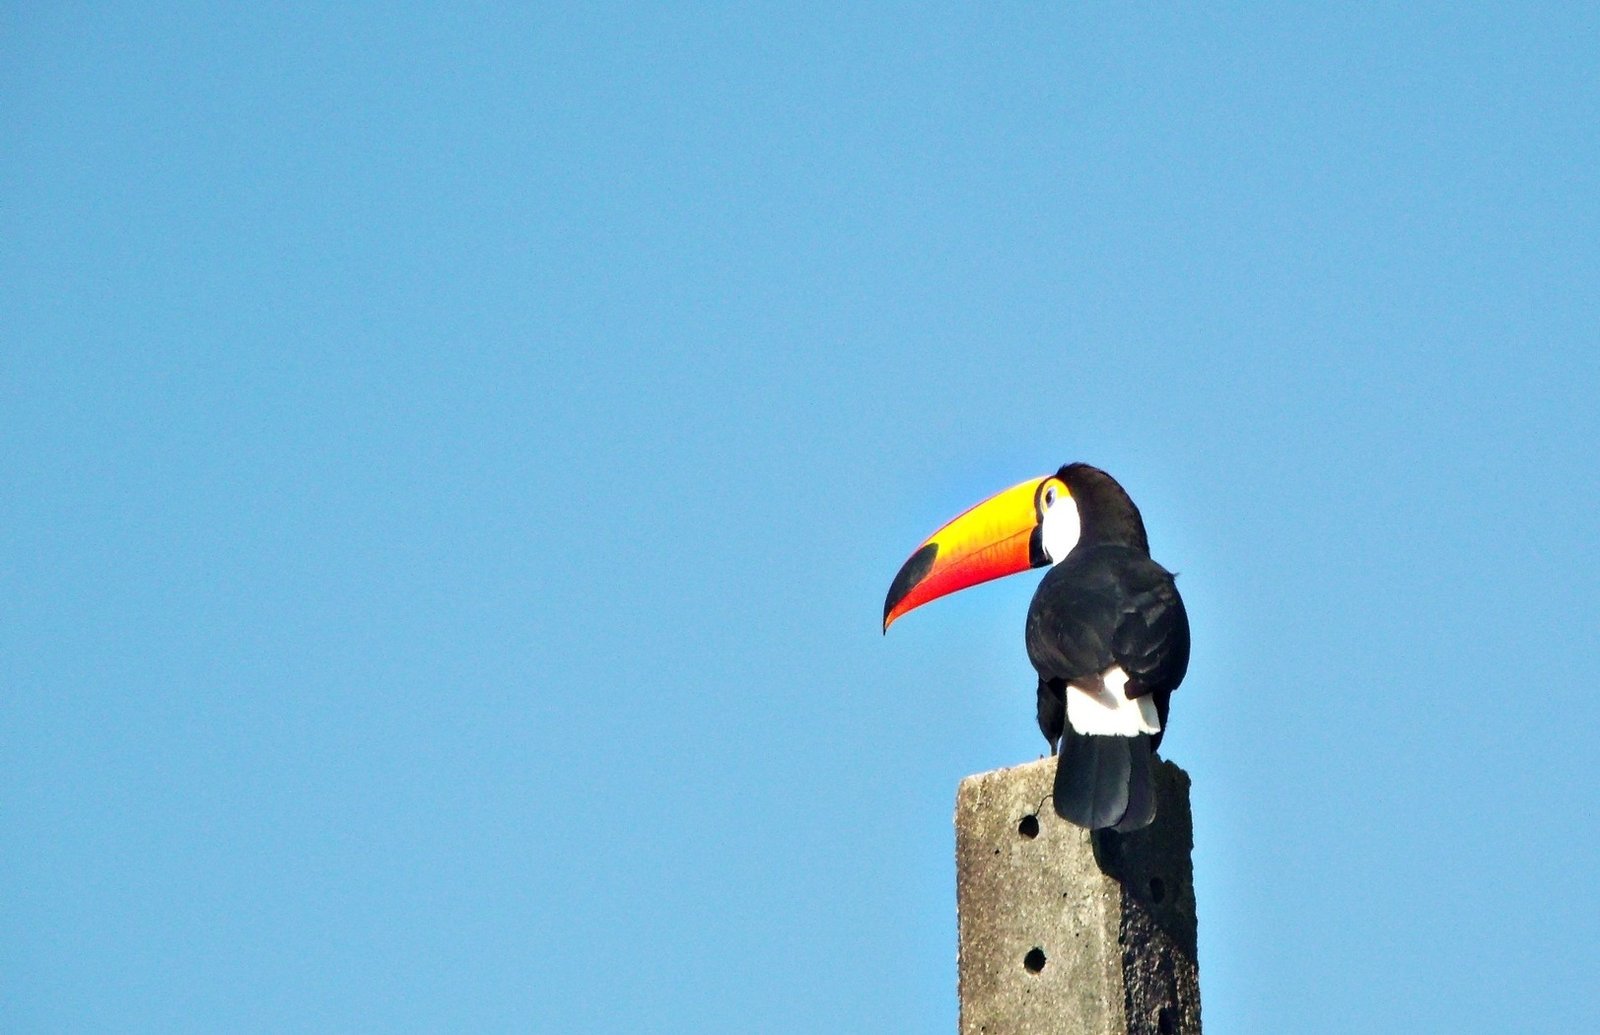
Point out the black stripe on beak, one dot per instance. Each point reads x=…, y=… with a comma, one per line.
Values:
x=913, y=571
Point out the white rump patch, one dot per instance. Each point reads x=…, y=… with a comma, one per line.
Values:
x=1098, y=706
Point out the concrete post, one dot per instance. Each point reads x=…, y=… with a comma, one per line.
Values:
x=1066, y=932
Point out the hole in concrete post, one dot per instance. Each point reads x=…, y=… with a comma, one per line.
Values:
x=1165, y=1024
x=1029, y=827
x=1034, y=960
x=1158, y=890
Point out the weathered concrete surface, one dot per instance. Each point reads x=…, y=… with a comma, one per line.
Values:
x=1064, y=932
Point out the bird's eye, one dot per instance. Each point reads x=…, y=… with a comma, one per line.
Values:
x=1050, y=496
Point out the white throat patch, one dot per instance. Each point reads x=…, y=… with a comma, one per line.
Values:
x=1059, y=529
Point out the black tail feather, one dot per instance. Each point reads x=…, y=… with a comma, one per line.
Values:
x=1104, y=781
x=1141, y=790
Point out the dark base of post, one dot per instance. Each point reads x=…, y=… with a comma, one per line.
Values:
x=1066, y=932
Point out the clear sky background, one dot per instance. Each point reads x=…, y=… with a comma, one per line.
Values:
x=453, y=460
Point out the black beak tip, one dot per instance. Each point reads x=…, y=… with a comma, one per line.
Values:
x=913, y=571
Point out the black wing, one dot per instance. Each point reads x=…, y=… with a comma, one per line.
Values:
x=1110, y=605
x=1152, y=638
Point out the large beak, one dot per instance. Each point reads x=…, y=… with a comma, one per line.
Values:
x=997, y=537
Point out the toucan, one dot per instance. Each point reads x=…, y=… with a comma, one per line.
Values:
x=1107, y=631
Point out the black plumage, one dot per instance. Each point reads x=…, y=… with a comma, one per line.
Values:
x=1107, y=604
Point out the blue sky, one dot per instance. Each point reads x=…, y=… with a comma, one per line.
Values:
x=455, y=457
